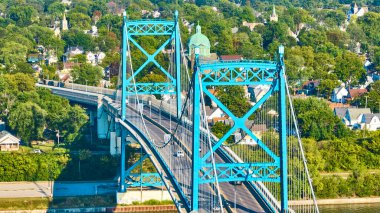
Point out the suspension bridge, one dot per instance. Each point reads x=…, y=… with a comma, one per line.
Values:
x=258, y=165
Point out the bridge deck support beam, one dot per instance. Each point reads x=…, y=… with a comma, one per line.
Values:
x=283, y=134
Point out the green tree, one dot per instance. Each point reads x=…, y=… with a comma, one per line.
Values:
x=28, y=120
x=349, y=68
x=83, y=155
x=233, y=97
x=12, y=52
x=56, y=9
x=87, y=74
x=22, y=15
x=79, y=20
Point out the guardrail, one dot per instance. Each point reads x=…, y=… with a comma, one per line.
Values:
x=80, y=87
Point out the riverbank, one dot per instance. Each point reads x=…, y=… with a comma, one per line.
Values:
x=361, y=200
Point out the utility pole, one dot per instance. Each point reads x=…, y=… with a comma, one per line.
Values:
x=366, y=99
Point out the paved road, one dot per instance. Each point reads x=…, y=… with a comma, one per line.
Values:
x=245, y=201
x=43, y=189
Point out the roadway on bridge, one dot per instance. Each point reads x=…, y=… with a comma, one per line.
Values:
x=245, y=201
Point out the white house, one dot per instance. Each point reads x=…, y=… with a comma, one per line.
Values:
x=339, y=95
x=156, y=14
x=371, y=122
x=72, y=51
x=214, y=113
x=354, y=116
x=8, y=142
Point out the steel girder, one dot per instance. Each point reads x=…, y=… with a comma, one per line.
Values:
x=232, y=73
x=137, y=28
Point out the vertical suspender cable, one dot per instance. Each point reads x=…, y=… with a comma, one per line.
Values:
x=300, y=144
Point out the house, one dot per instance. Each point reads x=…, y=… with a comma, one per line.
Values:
x=354, y=116
x=339, y=94
x=354, y=93
x=355, y=10
x=34, y=58
x=73, y=51
x=256, y=129
x=371, y=122
x=310, y=87
x=257, y=92
x=252, y=26
x=340, y=112
x=212, y=113
x=51, y=59
x=8, y=142
x=231, y=57
x=95, y=58
x=66, y=2
x=93, y=32
x=156, y=14
x=68, y=66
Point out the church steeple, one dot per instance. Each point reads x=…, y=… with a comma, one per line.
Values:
x=65, y=25
x=274, y=16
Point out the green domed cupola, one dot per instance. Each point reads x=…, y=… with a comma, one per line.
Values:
x=201, y=41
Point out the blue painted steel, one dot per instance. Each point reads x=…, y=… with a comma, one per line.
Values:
x=227, y=172
x=122, y=187
x=162, y=162
x=151, y=88
x=231, y=73
x=178, y=64
x=124, y=69
x=196, y=137
x=155, y=28
x=136, y=164
x=144, y=180
x=283, y=134
x=240, y=122
x=151, y=27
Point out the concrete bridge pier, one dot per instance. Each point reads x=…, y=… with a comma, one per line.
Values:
x=115, y=138
x=102, y=122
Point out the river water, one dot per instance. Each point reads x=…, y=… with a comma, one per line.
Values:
x=350, y=208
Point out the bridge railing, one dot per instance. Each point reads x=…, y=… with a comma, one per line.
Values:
x=80, y=87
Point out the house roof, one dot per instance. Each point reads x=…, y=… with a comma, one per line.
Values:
x=230, y=57
x=314, y=83
x=368, y=117
x=4, y=135
x=354, y=113
x=356, y=92
x=339, y=89
x=259, y=127
x=340, y=111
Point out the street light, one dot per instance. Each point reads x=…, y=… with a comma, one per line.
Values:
x=86, y=85
x=57, y=136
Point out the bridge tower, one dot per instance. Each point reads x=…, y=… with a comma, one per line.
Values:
x=170, y=31
x=273, y=168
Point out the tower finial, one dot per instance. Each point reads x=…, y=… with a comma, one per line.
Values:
x=274, y=10
x=198, y=30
